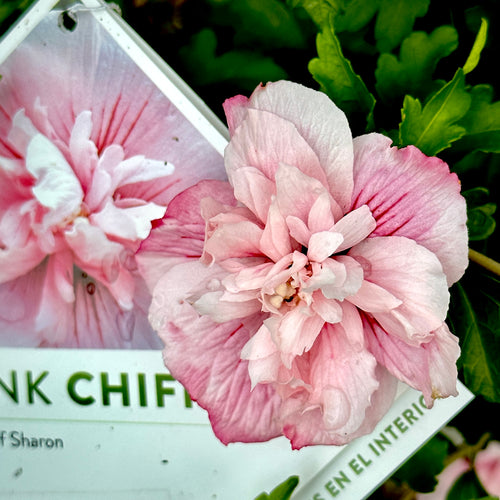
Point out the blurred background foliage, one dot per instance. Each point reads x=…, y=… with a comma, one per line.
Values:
x=421, y=72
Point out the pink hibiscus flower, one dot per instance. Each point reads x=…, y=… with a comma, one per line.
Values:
x=293, y=297
x=486, y=466
x=87, y=148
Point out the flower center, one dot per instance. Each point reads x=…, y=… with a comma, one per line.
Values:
x=284, y=292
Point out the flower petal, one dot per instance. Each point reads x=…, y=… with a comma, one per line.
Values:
x=241, y=239
x=296, y=192
x=429, y=368
x=263, y=356
x=296, y=333
x=254, y=190
x=343, y=380
x=321, y=123
x=19, y=305
x=56, y=187
x=373, y=298
x=275, y=241
x=412, y=195
x=205, y=357
x=322, y=245
x=223, y=306
x=274, y=141
x=354, y=227
x=83, y=151
x=181, y=234
x=99, y=321
x=131, y=223
x=410, y=273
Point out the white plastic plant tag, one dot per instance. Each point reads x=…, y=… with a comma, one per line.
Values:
x=105, y=423
x=368, y=461
x=114, y=424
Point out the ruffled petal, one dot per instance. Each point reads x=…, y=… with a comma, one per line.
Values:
x=411, y=274
x=84, y=154
x=275, y=141
x=254, y=190
x=320, y=122
x=322, y=245
x=296, y=192
x=343, y=380
x=240, y=239
x=275, y=241
x=296, y=333
x=354, y=227
x=15, y=262
x=130, y=223
x=56, y=187
x=412, y=195
x=205, y=358
x=429, y=368
x=181, y=234
x=263, y=356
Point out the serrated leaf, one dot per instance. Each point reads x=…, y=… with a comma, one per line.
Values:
x=480, y=222
x=246, y=68
x=475, y=318
x=336, y=76
x=268, y=24
x=433, y=127
x=482, y=122
x=395, y=21
x=477, y=48
x=420, y=471
x=412, y=72
x=281, y=492
x=467, y=487
x=319, y=10
x=353, y=15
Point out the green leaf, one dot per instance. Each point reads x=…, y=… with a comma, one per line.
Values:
x=268, y=24
x=412, y=72
x=282, y=491
x=467, y=487
x=245, y=68
x=421, y=470
x=353, y=15
x=475, y=318
x=482, y=122
x=480, y=222
x=434, y=127
x=395, y=18
x=395, y=21
x=479, y=43
x=337, y=78
x=318, y=10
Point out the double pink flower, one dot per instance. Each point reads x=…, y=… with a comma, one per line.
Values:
x=292, y=298
x=88, y=146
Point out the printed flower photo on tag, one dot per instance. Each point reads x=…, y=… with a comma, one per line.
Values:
x=91, y=152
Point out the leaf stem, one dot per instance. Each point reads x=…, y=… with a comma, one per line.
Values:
x=489, y=264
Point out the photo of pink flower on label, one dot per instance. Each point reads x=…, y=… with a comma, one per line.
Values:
x=91, y=152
